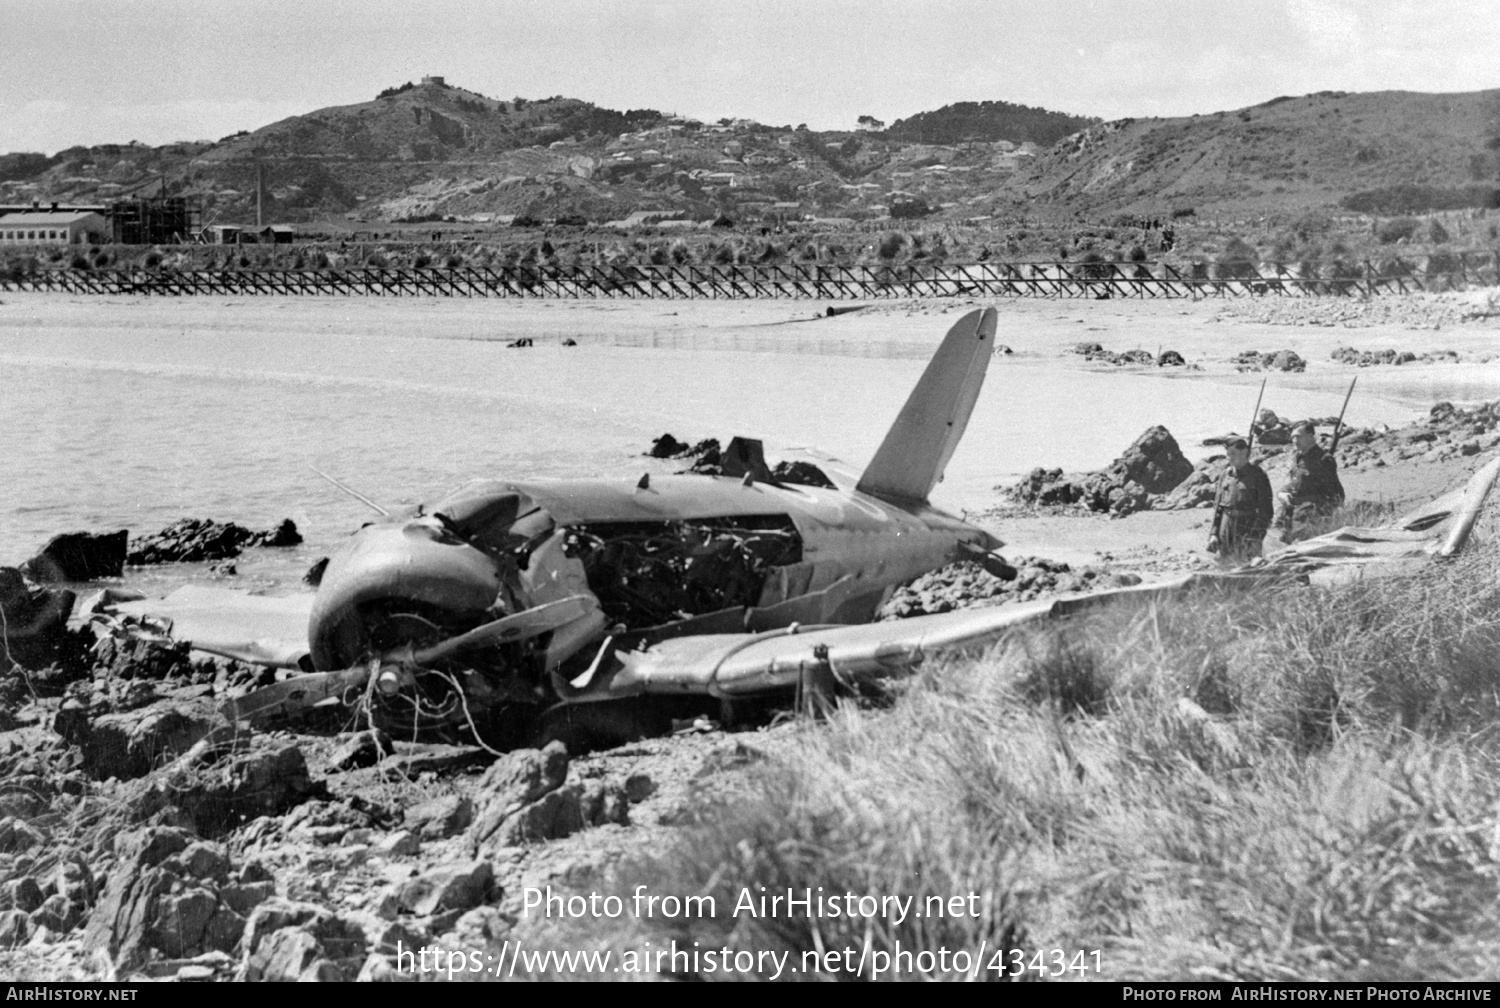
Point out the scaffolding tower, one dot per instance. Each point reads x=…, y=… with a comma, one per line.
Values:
x=155, y=220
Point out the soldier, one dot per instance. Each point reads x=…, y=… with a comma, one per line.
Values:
x=1313, y=488
x=1244, y=507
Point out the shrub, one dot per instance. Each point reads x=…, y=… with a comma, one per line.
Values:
x=421, y=261
x=891, y=245
x=1436, y=233
x=909, y=209
x=1137, y=254
x=78, y=262
x=1395, y=230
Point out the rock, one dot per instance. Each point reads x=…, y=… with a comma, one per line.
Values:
x=380, y=969
x=1154, y=461
x=129, y=659
x=79, y=556
x=258, y=776
x=363, y=749
x=441, y=817
x=402, y=843
x=15, y=929
x=16, y=835
x=57, y=913
x=459, y=886
x=514, y=781
x=154, y=901
x=282, y=535
x=480, y=926
x=553, y=816
x=284, y=956
x=130, y=744
x=601, y=802
x=243, y=897
x=666, y=446
x=194, y=540
x=21, y=894
x=1170, y=358
x=288, y=941
x=35, y=620
x=639, y=786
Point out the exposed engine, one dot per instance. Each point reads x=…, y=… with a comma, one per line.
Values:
x=648, y=573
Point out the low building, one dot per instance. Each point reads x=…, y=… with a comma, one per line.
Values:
x=53, y=228
x=278, y=234
x=227, y=234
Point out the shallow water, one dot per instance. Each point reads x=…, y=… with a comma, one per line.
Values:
x=136, y=427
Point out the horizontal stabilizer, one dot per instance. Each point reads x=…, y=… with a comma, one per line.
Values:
x=916, y=449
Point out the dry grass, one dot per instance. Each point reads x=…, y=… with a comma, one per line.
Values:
x=1286, y=784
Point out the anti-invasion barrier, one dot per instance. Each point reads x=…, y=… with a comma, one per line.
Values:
x=1448, y=271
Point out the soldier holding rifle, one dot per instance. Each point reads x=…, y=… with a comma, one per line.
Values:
x=1314, y=488
x=1243, y=514
x=1242, y=509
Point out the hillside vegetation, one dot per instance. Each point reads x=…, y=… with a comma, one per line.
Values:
x=431, y=151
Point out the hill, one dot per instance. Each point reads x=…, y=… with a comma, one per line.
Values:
x=1287, y=154
x=429, y=151
x=988, y=120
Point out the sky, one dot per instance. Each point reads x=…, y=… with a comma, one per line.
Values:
x=155, y=71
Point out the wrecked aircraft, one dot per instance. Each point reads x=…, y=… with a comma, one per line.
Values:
x=527, y=596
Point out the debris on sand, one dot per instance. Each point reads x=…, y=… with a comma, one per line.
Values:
x=191, y=540
x=1271, y=360
x=1372, y=358
x=1095, y=353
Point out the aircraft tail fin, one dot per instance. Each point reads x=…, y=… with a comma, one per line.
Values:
x=916, y=449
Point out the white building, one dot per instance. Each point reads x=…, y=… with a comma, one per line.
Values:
x=53, y=228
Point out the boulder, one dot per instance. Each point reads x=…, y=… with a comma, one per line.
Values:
x=555, y=815
x=15, y=928
x=666, y=446
x=130, y=744
x=1154, y=461
x=459, y=886
x=289, y=941
x=440, y=818
x=516, y=780
x=79, y=556
x=35, y=622
x=163, y=895
x=195, y=540
x=363, y=749
x=230, y=785
x=17, y=835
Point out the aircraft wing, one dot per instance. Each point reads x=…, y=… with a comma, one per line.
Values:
x=739, y=665
x=259, y=629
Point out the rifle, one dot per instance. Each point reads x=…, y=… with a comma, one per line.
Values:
x=1338, y=427
x=1213, y=527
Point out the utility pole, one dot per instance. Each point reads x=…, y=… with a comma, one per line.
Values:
x=260, y=188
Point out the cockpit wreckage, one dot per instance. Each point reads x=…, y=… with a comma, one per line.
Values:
x=513, y=608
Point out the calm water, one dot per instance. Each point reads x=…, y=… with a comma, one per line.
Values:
x=133, y=428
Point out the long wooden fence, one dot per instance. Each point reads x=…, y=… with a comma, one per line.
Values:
x=795, y=280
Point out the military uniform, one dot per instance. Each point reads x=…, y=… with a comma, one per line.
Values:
x=1313, y=489
x=1245, y=510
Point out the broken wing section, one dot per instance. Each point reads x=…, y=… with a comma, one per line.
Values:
x=916, y=450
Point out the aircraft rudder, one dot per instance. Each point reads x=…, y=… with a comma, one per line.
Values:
x=916, y=450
